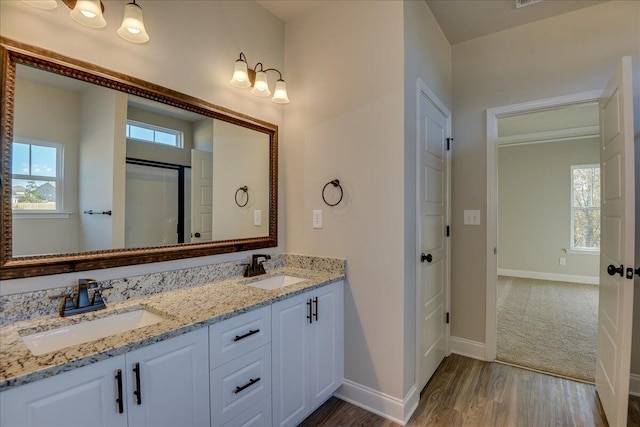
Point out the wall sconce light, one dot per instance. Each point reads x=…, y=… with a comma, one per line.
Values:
x=90, y=14
x=244, y=77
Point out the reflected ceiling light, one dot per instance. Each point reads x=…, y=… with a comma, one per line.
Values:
x=245, y=77
x=89, y=13
x=42, y=4
x=132, y=28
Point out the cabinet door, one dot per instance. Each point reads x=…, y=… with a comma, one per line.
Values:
x=326, y=363
x=83, y=397
x=171, y=387
x=290, y=352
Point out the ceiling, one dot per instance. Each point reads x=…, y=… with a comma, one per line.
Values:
x=460, y=20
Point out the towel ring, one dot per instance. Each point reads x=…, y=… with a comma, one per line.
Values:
x=246, y=193
x=335, y=183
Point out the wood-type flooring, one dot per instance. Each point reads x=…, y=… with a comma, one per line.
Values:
x=469, y=392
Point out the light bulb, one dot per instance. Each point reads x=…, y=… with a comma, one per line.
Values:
x=132, y=28
x=280, y=93
x=261, y=86
x=89, y=13
x=240, y=75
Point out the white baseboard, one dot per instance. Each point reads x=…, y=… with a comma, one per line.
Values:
x=634, y=385
x=559, y=277
x=389, y=407
x=468, y=348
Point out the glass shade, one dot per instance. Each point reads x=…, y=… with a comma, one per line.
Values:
x=89, y=14
x=280, y=94
x=42, y=4
x=240, y=75
x=132, y=28
x=261, y=86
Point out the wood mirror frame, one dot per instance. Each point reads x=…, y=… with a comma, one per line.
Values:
x=12, y=53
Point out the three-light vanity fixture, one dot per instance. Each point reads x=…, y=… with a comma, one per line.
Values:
x=245, y=77
x=89, y=13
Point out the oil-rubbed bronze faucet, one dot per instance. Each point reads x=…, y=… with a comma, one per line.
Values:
x=82, y=302
x=256, y=268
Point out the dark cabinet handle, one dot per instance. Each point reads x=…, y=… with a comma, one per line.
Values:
x=315, y=314
x=119, y=399
x=249, y=384
x=612, y=270
x=248, y=334
x=427, y=257
x=137, y=392
x=196, y=235
x=309, y=311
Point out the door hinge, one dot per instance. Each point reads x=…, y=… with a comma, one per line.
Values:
x=447, y=318
x=449, y=143
x=448, y=231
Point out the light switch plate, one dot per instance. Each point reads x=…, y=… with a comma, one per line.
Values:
x=257, y=217
x=317, y=219
x=472, y=217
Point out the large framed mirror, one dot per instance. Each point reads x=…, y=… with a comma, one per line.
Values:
x=101, y=170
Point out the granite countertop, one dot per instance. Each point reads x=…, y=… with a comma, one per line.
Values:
x=184, y=310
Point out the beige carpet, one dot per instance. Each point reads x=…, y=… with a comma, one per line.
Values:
x=548, y=326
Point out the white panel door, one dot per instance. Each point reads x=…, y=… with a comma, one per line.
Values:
x=432, y=200
x=171, y=386
x=617, y=245
x=201, y=196
x=84, y=397
x=327, y=352
x=290, y=355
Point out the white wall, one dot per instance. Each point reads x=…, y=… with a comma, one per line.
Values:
x=353, y=118
x=102, y=168
x=569, y=53
x=192, y=50
x=240, y=157
x=534, y=208
x=45, y=113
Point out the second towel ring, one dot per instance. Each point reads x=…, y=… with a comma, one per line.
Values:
x=335, y=183
x=246, y=193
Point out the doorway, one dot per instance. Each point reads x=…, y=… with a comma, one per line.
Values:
x=549, y=239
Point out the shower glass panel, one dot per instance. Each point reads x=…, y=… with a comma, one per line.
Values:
x=153, y=219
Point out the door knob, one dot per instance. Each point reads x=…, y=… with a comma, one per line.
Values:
x=426, y=257
x=612, y=270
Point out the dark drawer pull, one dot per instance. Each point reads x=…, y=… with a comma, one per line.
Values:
x=138, y=391
x=248, y=334
x=309, y=318
x=249, y=384
x=315, y=314
x=119, y=399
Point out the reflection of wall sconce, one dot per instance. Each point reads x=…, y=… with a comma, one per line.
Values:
x=89, y=13
x=246, y=195
x=244, y=77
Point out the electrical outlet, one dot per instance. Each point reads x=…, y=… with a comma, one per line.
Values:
x=317, y=219
x=472, y=217
x=563, y=261
x=257, y=217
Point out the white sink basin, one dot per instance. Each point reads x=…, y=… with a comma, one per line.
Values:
x=276, y=282
x=91, y=330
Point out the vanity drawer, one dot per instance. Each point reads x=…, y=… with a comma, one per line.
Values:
x=239, y=335
x=258, y=415
x=240, y=384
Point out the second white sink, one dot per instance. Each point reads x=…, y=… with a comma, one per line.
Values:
x=91, y=330
x=276, y=282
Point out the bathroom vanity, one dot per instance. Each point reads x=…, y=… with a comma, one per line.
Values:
x=225, y=353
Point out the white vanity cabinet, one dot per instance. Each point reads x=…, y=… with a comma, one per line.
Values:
x=83, y=397
x=171, y=382
x=240, y=377
x=307, y=351
x=167, y=382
